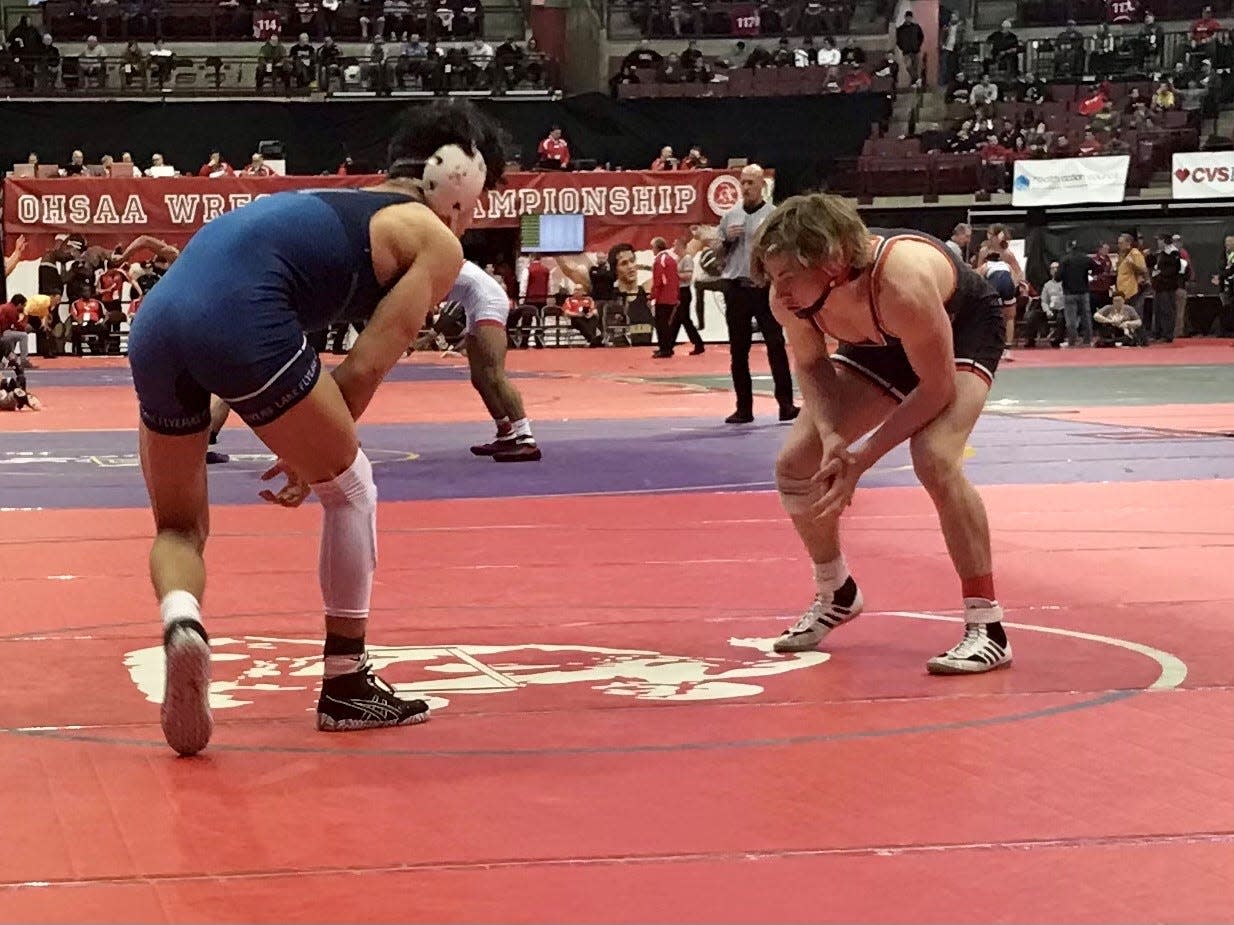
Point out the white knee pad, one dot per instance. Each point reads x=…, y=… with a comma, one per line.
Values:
x=348, y=540
x=795, y=494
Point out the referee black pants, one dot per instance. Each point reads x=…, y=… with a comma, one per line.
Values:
x=743, y=304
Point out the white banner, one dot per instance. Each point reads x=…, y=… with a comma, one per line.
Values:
x=1070, y=181
x=1204, y=175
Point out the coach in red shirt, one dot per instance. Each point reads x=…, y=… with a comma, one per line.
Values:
x=554, y=151
x=87, y=319
x=665, y=294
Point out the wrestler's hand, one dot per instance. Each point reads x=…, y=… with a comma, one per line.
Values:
x=291, y=494
x=837, y=479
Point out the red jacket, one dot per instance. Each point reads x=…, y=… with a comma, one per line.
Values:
x=89, y=311
x=665, y=281
x=555, y=149
x=537, y=281
x=9, y=315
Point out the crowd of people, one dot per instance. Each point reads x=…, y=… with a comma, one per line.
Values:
x=1127, y=293
x=400, y=54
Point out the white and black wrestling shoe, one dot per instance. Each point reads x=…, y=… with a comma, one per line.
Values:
x=361, y=700
x=821, y=618
x=983, y=648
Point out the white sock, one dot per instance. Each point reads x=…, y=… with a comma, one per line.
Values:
x=179, y=605
x=522, y=428
x=829, y=576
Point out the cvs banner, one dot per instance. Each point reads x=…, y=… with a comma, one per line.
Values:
x=1203, y=175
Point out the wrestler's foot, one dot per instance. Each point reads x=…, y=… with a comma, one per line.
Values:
x=524, y=449
x=740, y=417
x=499, y=444
x=214, y=458
x=185, y=715
x=361, y=700
x=983, y=648
x=821, y=618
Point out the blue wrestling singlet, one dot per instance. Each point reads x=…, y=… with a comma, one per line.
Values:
x=229, y=318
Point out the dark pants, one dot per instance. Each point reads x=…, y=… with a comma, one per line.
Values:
x=97, y=330
x=525, y=316
x=589, y=327
x=742, y=304
x=665, y=329
x=1165, y=308
x=1037, y=323
x=682, y=320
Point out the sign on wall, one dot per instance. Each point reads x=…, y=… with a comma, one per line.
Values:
x=1070, y=181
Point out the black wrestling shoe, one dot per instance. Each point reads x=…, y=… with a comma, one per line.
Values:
x=789, y=413
x=361, y=700
x=498, y=445
x=524, y=449
x=740, y=417
x=214, y=458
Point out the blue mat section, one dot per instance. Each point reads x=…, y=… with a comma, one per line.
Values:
x=99, y=470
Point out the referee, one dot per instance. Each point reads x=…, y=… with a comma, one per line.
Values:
x=745, y=301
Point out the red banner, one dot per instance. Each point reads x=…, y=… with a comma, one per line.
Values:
x=632, y=206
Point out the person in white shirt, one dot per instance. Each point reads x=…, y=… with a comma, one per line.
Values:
x=806, y=55
x=829, y=55
x=159, y=169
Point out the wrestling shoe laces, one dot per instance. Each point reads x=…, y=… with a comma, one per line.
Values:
x=362, y=700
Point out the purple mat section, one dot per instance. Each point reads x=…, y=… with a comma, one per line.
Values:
x=47, y=375
x=99, y=470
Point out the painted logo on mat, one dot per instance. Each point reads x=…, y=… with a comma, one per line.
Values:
x=248, y=668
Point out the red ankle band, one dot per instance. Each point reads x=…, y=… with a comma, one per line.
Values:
x=981, y=586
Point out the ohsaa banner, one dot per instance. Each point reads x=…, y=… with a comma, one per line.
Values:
x=1204, y=175
x=633, y=206
x=1070, y=181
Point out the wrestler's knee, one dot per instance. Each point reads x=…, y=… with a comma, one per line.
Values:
x=937, y=465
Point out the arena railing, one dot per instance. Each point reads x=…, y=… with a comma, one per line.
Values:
x=247, y=76
x=1091, y=12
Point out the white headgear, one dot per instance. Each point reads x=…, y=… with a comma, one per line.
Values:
x=453, y=181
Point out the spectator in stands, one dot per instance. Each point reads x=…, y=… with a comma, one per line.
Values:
x=162, y=61
x=1090, y=146
x=257, y=167
x=909, y=39
x=783, y=55
x=158, y=168
x=670, y=71
x=328, y=24
x=47, y=64
x=1030, y=89
x=303, y=61
x=1149, y=43
x=554, y=151
x=1131, y=276
x=1069, y=53
x=1163, y=99
x=15, y=331
x=1004, y=50
x=856, y=79
x=759, y=57
x=133, y=64
x=1118, y=324
x=829, y=55
x=984, y=95
x=480, y=58
x=215, y=167
x=272, y=63
x=1074, y=272
x=25, y=38
x=807, y=54
x=76, y=166
x=665, y=161
x=958, y=243
x=1204, y=28
x=691, y=58
x=695, y=160
x=889, y=69
x=1102, y=57
x=948, y=41
x=329, y=64
x=643, y=58
x=852, y=53
x=960, y=91
x=1107, y=120
x=86, y=320
x=1169, y=289
x=92, y=63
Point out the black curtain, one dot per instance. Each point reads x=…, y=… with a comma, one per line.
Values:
x=800, y=137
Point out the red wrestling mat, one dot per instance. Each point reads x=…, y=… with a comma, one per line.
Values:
x=613, y=742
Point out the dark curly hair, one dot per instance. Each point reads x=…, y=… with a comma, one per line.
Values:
x=425, y=128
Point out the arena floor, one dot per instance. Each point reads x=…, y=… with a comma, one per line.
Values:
x=613, y=739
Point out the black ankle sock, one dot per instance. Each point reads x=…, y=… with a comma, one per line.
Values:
x=997, y=633
x=846, y=594
x=343, y=645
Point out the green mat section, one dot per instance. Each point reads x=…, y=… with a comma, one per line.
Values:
x=1071, y=386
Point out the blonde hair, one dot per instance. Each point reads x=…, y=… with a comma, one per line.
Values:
x=818, y=228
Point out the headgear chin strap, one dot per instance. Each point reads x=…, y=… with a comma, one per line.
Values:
x=452, y=180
